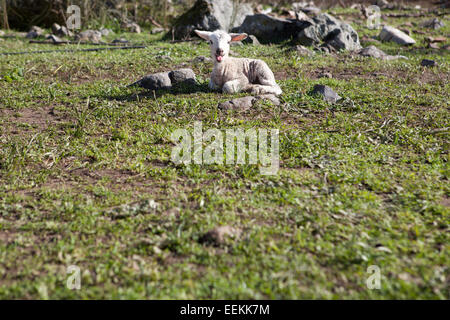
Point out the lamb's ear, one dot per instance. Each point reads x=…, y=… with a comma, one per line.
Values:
x=238, y=36
x=203, y=34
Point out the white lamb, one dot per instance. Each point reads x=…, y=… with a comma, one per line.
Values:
x=233, y=75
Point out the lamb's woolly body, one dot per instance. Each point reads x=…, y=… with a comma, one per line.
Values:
x=237, y=74
x=234, y=68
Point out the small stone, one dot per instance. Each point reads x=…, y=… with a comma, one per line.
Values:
x=219, y=235
x=55, y=28
x=89, y=35
x=374, y=52
x=121, y=40
x=54, y=38
x=389, y=33
x=64, y=32
x=185, y=76
x=326, y=92
x=270, y=97
x=202, y=59
x=245, y=103
x=155, y=81
x=436, y=39
x=2, y=33
x=434, y=23
x=303, y=51
x=34, y=32
x=61, y=31
x=433, y=46
x=428, y=63
x=132, y=27
x=241, y=104
x=251, y=39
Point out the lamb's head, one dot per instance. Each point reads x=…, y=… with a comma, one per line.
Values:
x=219, y=42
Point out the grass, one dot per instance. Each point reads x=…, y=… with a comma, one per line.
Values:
x=360, y=184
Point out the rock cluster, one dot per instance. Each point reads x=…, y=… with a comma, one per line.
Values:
x=167, y=80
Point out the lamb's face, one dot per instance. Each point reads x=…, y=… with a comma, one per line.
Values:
x=219, y=42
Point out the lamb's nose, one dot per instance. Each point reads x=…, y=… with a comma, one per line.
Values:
x=219, y=52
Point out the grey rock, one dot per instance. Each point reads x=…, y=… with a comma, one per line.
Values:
x=303, y=51
x=428, y=63
x=251, y=39
x=270, y=97
x=374, y=52
x=326, y=92
x=202, y=59
x=182, y=76
x=120, y=40
x=434, y=23
x=330, y=30
x=155, y=81
x=54, y=38
x=271, y=29
x=55, y=28
x=89, y=35
x=210, y=15
x=2, y=33
x=131, y=27
x=389, y=33
x=245, y=103
x=34, y=32
x=240, y=104
x=61, y=31
x=64, y=32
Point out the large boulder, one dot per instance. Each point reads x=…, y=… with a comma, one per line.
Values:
x=210, y=15
x=271, y=29
x=308, y=32
x=335, y=33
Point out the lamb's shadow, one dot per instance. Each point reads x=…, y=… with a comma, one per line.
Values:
x=140, y=93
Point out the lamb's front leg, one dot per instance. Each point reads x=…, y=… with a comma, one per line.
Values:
x=234, y=86
x=212, y=85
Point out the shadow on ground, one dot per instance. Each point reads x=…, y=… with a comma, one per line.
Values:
x=148, y=93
